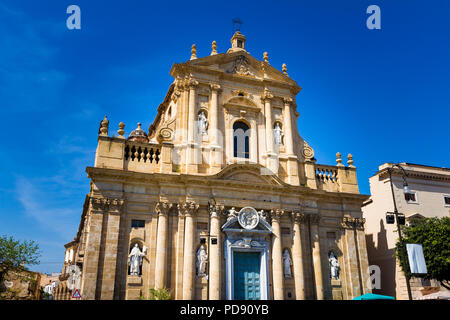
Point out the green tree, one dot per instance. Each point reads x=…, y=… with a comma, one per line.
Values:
x=15, y=254
x=434, y=236
x=158, y=294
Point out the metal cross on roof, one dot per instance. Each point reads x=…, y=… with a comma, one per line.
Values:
x=237, y=24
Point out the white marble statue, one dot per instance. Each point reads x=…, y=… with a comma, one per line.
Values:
x=232, y=213
x=202, y=258
x=334, y=266
x=278, y=134
x=287, y=263
x=202, y=124
x=262, y=214
x=248, y=218
x=135, y=259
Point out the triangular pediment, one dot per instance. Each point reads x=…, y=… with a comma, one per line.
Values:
x=242, y=65
x=249, y=173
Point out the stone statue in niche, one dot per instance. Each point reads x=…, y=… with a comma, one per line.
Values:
x=278, y=134
x=334, y=266
x=135, y=259
x=202, y=124
x=287, y=263
x=202, y=258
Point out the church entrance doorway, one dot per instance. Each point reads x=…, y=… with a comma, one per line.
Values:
x=247, y=275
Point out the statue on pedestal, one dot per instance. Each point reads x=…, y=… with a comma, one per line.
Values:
x=278, y=134
x=135, y=259
x=202, y=258
x=334, y=266
x=287, y=262
x=202, y=124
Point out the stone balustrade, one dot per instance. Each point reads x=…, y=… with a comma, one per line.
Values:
x=327, y=177
x=336, y=178
x=120, y=153
x=142, y=157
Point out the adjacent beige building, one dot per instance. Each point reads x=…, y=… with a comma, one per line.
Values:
x=221, y=198
x=429, y=197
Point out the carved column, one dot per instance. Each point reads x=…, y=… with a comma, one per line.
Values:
x=214, y=132
x=162, y=208
x=215, y=254
x=277, y=256
x=267, y=96
x=214, y=124
x=317, y=263
x=288, y=137
x=179, y=259
x=253, y=140
x=191, y=113
x=91, y=258
x=351, y=250
x=292, y=163
x=189, y=261
x=272, y=157
x=192, y=128
x=100, y=269
x=299, y=218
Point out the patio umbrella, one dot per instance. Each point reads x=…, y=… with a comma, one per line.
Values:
x=372, y=296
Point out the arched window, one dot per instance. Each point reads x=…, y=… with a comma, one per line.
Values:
x=241, y=135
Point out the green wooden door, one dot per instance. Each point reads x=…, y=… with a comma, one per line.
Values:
x=247, y=276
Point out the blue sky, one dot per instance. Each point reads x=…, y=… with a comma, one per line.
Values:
x=382, y=95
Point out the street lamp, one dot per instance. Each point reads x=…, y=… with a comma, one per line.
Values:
x=400, y=218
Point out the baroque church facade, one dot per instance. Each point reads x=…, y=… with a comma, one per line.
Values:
x=221, y=198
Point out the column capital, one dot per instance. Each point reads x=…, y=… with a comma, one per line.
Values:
x=107, y=204
x=314, y=218
x=353, y=223
x=193, y=83
x=216, y=210
x=298, y=217
x=163, y=208
x=287, y=100
x=215, y=87
x=276, y=214
x=189, y=208
x=267, y=95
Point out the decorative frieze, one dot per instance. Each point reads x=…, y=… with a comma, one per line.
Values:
x=107, y=204
x=353, y=223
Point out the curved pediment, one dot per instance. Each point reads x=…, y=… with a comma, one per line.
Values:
x=249, y=173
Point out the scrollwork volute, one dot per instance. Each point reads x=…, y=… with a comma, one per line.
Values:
x=307, y=151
